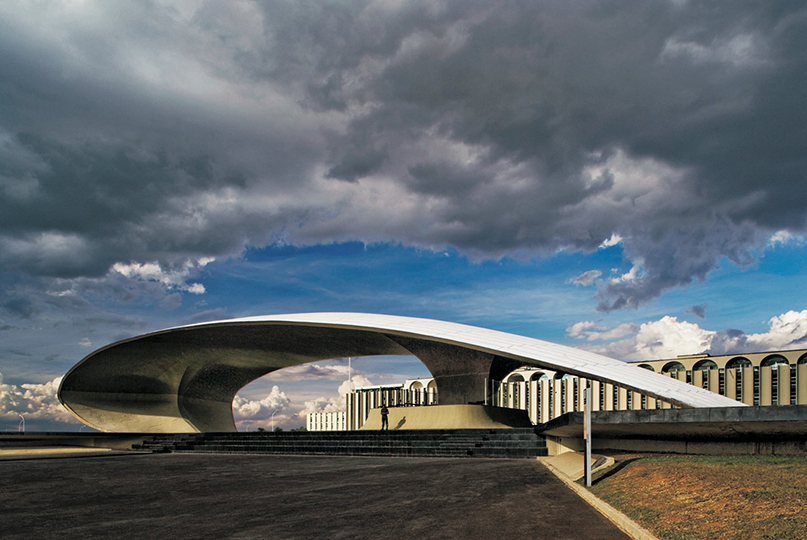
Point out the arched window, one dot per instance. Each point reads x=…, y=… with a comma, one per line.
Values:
x=416, y=390
x=646, y=366
x=774, y=360
x=803, y=359
x=431, y=389
x=538, y=375
x=703, y=365
x=672, y=367
x=515, y=377
x=739, y=361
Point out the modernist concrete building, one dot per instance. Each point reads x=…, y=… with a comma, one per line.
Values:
x=757, y=379
x=184, y=379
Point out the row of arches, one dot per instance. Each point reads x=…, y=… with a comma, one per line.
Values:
x=735, y=362
x=766, y=380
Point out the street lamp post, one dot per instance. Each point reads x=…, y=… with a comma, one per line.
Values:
x=273, y=421
x=587, y=432
x=21, y=427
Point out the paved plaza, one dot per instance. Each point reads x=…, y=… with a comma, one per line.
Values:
x=251, y=496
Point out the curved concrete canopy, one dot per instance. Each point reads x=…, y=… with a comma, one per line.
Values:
x=184, y=379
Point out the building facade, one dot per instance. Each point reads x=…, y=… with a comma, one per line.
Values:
x=756, y=379
x=326, y=421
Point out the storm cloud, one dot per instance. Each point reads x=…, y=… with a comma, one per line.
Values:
x=156, y=136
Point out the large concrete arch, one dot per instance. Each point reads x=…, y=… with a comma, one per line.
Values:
x=184, y=379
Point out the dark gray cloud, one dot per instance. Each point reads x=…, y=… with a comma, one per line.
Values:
x=18, y=306
x=699, y=310
x=170, y=134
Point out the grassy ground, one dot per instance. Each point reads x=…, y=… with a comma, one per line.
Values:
x=705, y=497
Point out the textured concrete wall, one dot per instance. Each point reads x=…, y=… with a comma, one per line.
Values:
x=747, y=430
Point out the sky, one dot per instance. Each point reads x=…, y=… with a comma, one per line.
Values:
x=625, y=177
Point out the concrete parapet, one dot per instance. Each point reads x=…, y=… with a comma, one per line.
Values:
x=449, y=417
x=749, y=430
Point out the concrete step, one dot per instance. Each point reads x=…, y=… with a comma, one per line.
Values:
x=376, y=450
x=353, y=442
x=317, y=447
x=522, y=443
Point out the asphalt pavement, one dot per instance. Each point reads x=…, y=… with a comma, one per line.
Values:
x=306, y=497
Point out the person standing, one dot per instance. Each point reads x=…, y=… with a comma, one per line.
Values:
x=384, y=417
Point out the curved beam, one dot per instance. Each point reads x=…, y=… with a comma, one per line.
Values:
x=184, y=378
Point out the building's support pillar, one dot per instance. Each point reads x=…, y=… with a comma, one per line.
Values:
x=748, y=385
x=636, y=400
x=622, y=399
x=783, y=380
x=714, y=380
x=801, y=384
x=609, y=397
x=459, y=373
x=545, y=391
x=731, y=383
x=765, y=386
x=522, y=395
x=595, y=394
x=568, y=394
x=557, y=398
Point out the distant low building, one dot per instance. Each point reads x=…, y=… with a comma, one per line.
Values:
x=411, y=393
x=326, y=421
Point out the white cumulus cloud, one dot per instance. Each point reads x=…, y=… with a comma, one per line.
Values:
x=34, y=401
x=171, y=278
x=591, y=331
x=785, y=331
x=322, y=404
x=262, y=409
x=669, y=337
x=784, y=237
x=314, y=370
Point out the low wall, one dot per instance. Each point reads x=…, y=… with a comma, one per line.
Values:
x=449, y=417
x=715, y=431
x=114, y=441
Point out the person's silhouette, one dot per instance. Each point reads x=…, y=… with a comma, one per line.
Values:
x=384, y=417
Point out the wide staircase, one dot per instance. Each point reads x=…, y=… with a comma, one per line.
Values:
x=475, y=443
